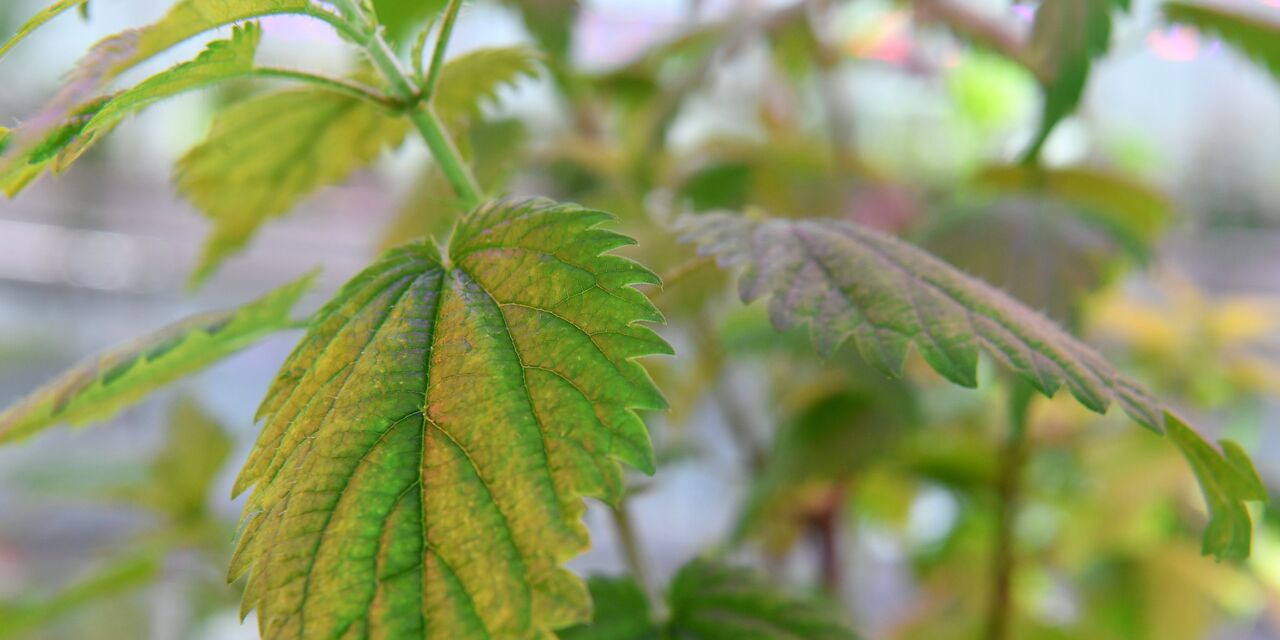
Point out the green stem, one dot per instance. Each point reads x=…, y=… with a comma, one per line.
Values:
x=630, y=545
x=447, y=154
x=1009, y=491
x=405, y=87
x=331, y=84
x=442, y=42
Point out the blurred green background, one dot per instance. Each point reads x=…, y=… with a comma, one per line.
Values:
x=652, y=108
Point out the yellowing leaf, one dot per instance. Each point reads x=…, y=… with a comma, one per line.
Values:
x=190, y=18
x=425, y=447
x=264, y=154
x=38, y=20
x=474, y=77
x=99, y=387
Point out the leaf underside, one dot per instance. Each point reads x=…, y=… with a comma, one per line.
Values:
x=99, y=387
x=888, y=295
x=425, y=448
x=846, y=280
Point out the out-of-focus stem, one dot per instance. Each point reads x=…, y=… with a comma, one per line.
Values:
x=1013, y=458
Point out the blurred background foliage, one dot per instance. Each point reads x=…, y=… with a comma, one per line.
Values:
x=1151, y=226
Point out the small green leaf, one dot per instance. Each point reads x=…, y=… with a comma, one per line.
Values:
x=38, y=20
x=99, y=387
x=425, y=447
x=710, y=601
x=222, y=60
x=264, y=154
x=620, y=611
x=1258, y=38
x=1228, y=480
x=116, y=54
x=474, y=77
x=1066, y=37
x=848, y=280
x=403, y=18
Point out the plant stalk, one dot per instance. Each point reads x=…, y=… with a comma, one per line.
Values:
x=405, y=87
x=1013, y=459
x=630, y=545
x=442, y=43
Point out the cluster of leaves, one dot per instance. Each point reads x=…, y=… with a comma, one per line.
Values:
x=426, y=448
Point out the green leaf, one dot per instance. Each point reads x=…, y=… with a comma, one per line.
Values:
x=425, y=447
x=119, y=53
x=23, y=617
x=262, y=155
x=1258, y=38
x=190, y=18
x=50, y=152
x=1066, y=37
x=620, y=611
x=474, y=77
x=222, y=60
x=848, y=280
x=104, y=384
x=38, y=20
x=710, y=601
x=402, y=18
x=1134, y=213
x=823, y=446
x=265, y=154
x=1228, y=480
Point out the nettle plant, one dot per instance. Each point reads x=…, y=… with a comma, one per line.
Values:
x=426, y=449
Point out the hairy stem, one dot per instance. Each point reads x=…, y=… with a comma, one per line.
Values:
x=442, y=42
x=405, y=87
x=1009, y=492
x=335, y=85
